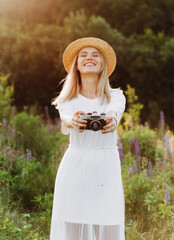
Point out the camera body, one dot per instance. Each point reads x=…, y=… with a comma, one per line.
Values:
x=95, y=121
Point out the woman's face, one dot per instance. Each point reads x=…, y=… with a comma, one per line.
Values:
x=89, y=61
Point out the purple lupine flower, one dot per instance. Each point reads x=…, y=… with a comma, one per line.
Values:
x=56, y=120
x=50, y=128
x=9, y=127
x=121, y=154
x=13, y=133
x=150, y=170
x=13, y=111
x=137, y=154
x=47, y=113
x=136, y=148
x=48, y=236
x=167, y=143
x=167, y=195
x=162, y=121
x=4, y=122
x=29, y=155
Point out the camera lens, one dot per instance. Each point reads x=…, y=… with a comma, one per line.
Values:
x=95, y=125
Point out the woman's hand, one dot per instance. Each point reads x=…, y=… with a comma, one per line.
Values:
x=77, y=122
x=110, y=126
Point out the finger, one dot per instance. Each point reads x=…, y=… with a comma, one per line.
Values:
x=78, y=120
x=111, y=129
x=77, y=129
x=79, y=112
x=112, y=124
x=76, y=124
x=108, y=119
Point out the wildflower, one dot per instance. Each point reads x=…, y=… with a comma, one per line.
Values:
x=137, y=154
x=13, y=111
x=150, y=170
x=29, y=155
x=136, y=148
x=167, y=143
x=162, y=121
x=47, y=113
x=14, y=133
x=167, y=195
x=9, y=127
x=4, y=122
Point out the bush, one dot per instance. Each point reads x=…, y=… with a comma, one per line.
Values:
x=30, y=135
x=6, y=93
x=147, y=139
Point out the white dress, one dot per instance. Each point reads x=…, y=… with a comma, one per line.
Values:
x=88, y=195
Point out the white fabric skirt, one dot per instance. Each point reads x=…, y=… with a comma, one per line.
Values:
x=88, y=196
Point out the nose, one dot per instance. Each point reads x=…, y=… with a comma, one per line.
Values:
x=89, y=57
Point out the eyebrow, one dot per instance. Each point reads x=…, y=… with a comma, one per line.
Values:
x=86, y=52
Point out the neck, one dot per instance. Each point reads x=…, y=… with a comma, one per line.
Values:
x=89, y=85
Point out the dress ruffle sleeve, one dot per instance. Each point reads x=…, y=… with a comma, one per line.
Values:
x=117, y=103
x=65, y=109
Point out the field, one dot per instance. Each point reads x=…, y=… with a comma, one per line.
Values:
x=31, y=148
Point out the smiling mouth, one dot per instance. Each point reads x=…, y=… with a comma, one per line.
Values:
x=89, y=64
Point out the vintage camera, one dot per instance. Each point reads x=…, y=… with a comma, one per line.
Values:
x=95, y=121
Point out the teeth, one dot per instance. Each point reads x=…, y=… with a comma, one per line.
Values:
x=89, y=64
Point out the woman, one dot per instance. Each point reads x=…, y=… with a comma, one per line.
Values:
x=88, y=197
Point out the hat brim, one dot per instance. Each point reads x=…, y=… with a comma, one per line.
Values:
x=73, y=48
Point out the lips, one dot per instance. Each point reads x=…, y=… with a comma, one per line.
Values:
x=89, y=64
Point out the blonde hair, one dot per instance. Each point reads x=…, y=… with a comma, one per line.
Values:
x=72, y=84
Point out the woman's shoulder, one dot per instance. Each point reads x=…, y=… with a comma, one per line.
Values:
x=117, y=92
x=117, y=96
x=66, y=103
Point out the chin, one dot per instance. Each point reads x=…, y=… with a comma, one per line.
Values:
x=90, y=72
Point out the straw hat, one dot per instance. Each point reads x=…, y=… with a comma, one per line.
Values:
x=74, y=47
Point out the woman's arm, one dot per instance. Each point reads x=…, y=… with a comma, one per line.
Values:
x=66, y=124
x=74, y=121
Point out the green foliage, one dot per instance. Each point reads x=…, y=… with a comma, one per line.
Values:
x=147, y=214
x=44, y=206
x=144, y=59
x=29, y=183
x=23, y=179
x=14, y=225
x=33, y=136
x=132, y=115
x=147, y=139
x=6, y=93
